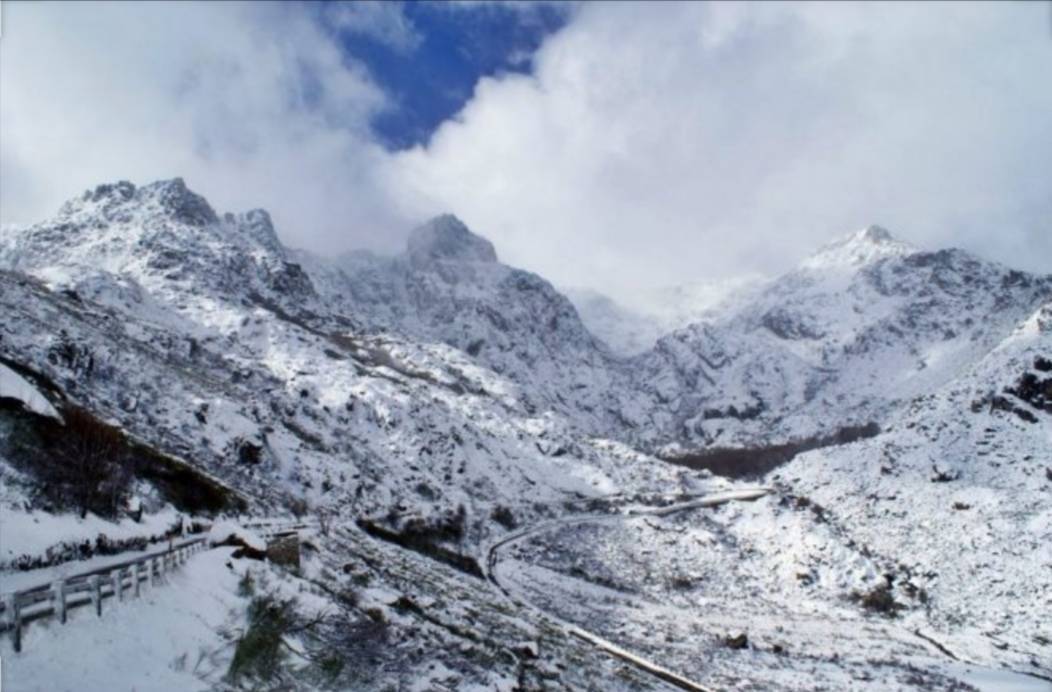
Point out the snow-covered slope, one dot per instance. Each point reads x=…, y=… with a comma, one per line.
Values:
x=958, y=493
x=864, y=325
x=626, y=332
x=449, y=287
x=443, y=391
x=15, y=387
x=918, y=559
x=161, y=252
x=197, y=333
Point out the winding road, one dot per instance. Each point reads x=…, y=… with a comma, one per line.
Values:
x=659, y=672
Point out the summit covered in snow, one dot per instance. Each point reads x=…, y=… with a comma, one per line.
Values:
x=447, y=238
x=869, y=245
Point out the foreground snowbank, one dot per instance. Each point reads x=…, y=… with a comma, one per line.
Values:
x=169, y=639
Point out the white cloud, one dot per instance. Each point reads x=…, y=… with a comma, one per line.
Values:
x=659, y=144
x=252, y=104
x=655, y=144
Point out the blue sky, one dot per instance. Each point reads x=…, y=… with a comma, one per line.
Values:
x=430, y=65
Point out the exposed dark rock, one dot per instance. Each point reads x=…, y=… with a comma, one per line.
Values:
x=786, y=325
x=944, y=476
x=249, y=453
x=284, y=550
x=737, y=641
x=183, y=204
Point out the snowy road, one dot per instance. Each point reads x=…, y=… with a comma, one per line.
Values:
x=659, y=672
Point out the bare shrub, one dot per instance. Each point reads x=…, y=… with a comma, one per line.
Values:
x=84, y=465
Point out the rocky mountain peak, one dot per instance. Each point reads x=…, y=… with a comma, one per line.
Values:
x=180, y=202
x=863, y=247
x=172, y=198
x=447, y=238
x=875, y=234
x=121, y=191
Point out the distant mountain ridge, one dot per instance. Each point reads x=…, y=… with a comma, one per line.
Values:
x=862, y=326
x=859, y=328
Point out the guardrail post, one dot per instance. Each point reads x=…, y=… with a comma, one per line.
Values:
x=135, y=579
x=150, y=565
x=58, y=596
x=161, y=563
x=96, y=593
x=14, y=621
x=118, y=587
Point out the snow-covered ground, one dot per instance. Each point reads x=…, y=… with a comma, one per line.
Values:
x=444, y=393
x=168, y=639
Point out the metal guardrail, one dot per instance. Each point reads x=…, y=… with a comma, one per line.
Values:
x=91, y=587
x=119, y=580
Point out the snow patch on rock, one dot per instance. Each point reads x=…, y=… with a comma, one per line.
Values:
x=14, y=386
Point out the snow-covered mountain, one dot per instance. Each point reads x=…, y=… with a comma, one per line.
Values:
x=626, y=332
x=927, y=548
x=449, y=287
x=857, y=329
x=166, y=240
x=444, y=396
x=633, y=327
x=198, y=333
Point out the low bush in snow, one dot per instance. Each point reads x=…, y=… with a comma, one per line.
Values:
x=504, y=516
x=260, y=651
x=879, y=599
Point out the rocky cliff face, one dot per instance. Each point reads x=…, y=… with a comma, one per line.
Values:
x=449, y=287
